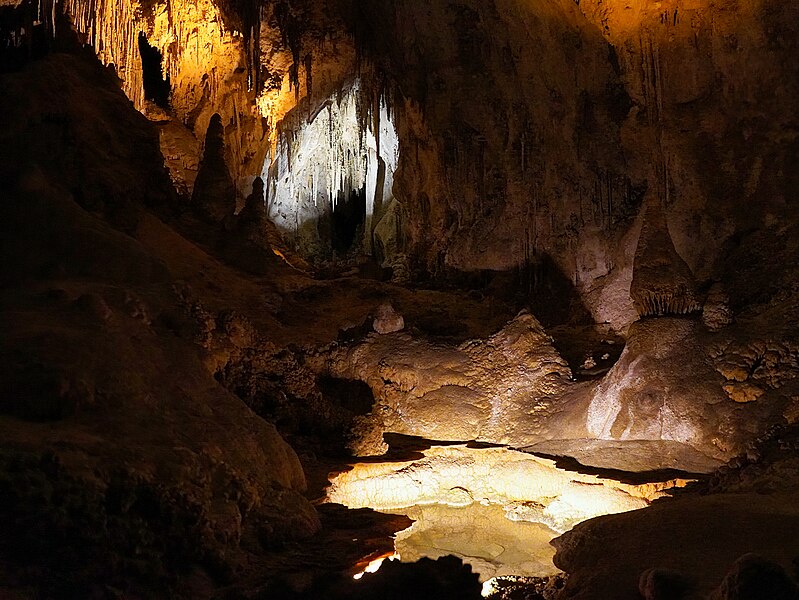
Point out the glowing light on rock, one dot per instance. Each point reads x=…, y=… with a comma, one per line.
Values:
x=495, y=508
x=489, y=587
x=375, y=564
x=199, y=53
x=320, y=161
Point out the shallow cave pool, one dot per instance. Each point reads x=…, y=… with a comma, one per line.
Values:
x=495, y=508
x=482, y=536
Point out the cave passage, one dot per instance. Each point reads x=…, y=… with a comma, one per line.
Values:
x=348, y=218
x=156, y=87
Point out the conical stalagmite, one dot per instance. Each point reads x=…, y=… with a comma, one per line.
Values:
x=254, y=211
x=214, y=197
x=250, y=244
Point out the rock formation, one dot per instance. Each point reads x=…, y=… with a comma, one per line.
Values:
x=250, y=245
x=145, y=457
x=214, y=196
x=496, y=387
x=179, y=383
x=662, y=283
x=714, y=526
x=753, y=576
x=253, y=214
x=387, y=320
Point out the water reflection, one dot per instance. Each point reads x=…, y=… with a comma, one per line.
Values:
x=481, y=535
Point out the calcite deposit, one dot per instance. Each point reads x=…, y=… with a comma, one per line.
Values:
x=491, y=390
x=495, y=508
x=248, y=244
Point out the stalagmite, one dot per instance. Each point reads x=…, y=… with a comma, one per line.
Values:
x=214, y=197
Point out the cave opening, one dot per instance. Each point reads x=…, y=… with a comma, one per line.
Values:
x=347, y=220
x=156, y=86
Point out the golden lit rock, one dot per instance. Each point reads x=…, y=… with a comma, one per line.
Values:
x=495, y=508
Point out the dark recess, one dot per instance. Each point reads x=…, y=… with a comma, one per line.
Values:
x=348, y=218
x=156, y=88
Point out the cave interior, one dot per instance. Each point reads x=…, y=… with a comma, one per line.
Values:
x=354, y=299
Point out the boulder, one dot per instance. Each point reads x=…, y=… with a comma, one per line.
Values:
x=387, y=319
x=753, y=577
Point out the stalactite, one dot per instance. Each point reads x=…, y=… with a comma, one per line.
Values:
x=111, y=27
x=309, y=81
x=332, y=156
x=189, y=35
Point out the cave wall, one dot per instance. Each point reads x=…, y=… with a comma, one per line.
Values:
x=567, y=116
x=712, y=86
x=123, y=462
x=528, y=134
x=347, y=146
x=204, y=59
x=524, y=161
x=250, y=64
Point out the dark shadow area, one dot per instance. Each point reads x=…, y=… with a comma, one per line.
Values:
x=26, y=33
x=347, y=219
x=546, y=290
x=758, y=265
x=351, y=395
x=410, y=447
x=315, y=416
x=427, y=579
x=538, y=285
x=438, y=323
x=568, y=463
x=156, y=87
x=590, y=350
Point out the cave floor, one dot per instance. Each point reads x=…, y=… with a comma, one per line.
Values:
x=291, y=307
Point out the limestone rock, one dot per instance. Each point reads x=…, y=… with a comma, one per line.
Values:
x=791, y=412
x=754, y=366
x=249, y=245
x=743, y=392
x=254, y=211
x=181, y=150
x=214, y=195
x=663, y=387
x=753, y=577
x=388, y=234
x=497, y=387
x=663, y=584
x=527, y=486
x=94, y=305
x=692, y=534
x=108, y=174
x=387, y=319
x=716, y=313
x=633, y=456
x=332, y=177
x=662, y=283
x=145, y=458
